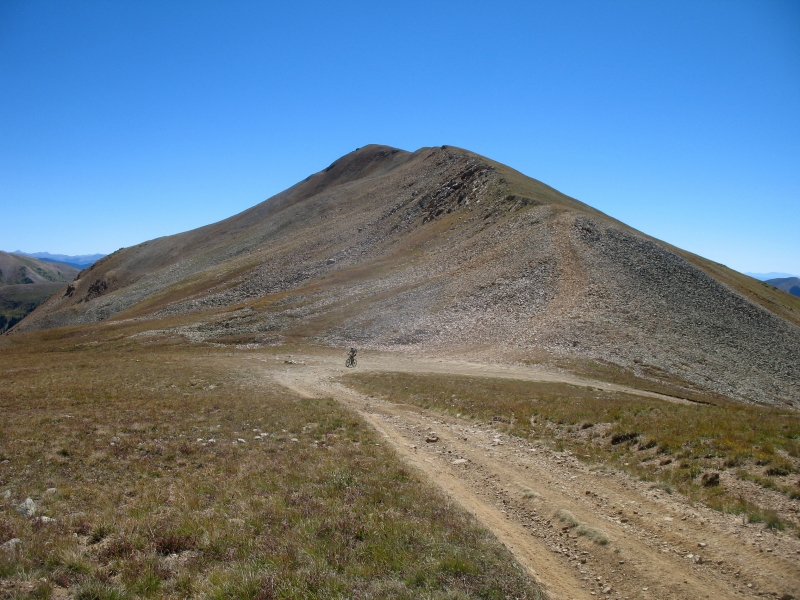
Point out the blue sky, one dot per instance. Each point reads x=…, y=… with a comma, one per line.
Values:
x=124, y=121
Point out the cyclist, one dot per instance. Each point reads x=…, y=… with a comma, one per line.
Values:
x=351, y=358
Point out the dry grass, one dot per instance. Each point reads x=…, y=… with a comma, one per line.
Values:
x=133, y=451
x=676, y=446
x=653, y=379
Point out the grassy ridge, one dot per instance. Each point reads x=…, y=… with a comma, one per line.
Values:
x=153, y=494
x=679, y=446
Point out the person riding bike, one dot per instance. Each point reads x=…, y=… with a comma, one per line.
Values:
x=351, y=358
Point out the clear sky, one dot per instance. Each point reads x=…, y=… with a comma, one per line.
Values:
x=127, y=120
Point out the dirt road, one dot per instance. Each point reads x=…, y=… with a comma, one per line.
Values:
x=582, y=531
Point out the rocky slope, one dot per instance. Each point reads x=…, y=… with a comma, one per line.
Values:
x=445, y=250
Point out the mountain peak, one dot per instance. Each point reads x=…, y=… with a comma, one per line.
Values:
x=442, y=249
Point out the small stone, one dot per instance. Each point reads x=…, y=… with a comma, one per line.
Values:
x=295, y=440
x=240, y=440
x=7, y=495
x=701, y=545
x=432, y=439
x=460, y=461
x=607, y=590
x=46, y=520
x=10, y=545
x=27, y=508
x=698, y=560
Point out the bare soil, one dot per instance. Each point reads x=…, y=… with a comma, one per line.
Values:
x=581, y=531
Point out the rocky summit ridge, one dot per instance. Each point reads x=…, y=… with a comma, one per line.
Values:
x=444, y=250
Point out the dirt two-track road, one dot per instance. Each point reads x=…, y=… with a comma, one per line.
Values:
x=659, y=545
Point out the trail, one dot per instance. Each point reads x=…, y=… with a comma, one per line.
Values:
x=660, y=546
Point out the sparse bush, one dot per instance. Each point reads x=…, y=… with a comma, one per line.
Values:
x=99, y=532
x=772, y=521
x=174, y=543
x=619, y=438
x=647, y=445
x=597, y=536
x=100, y=591
x=778, y=471
x=567, y=517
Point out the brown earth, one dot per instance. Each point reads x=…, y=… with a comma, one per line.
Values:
x=581, y=531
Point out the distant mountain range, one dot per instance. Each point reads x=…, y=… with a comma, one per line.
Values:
x=787, y=284
x=768, y=276
x=79, y=262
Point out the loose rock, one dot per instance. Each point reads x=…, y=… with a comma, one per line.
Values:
x=10, y=545
x=27, y=508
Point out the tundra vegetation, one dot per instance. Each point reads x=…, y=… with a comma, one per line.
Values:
x=157, y=471
x=679, y=447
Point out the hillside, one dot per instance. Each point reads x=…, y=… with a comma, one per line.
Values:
x=27, y=282
x=447, y=251
x=17, y=269
x=787, y=284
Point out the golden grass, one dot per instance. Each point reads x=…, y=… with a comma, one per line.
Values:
x=674, y=445
x=133, y=450
x=657, y=380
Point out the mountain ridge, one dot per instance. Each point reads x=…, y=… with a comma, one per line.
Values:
x=443, y=249
x=79, y=262
x=790, y=285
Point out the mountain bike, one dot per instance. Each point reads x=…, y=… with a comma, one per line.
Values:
x=350, y=362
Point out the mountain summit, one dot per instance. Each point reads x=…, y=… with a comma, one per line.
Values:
x=444, y=250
